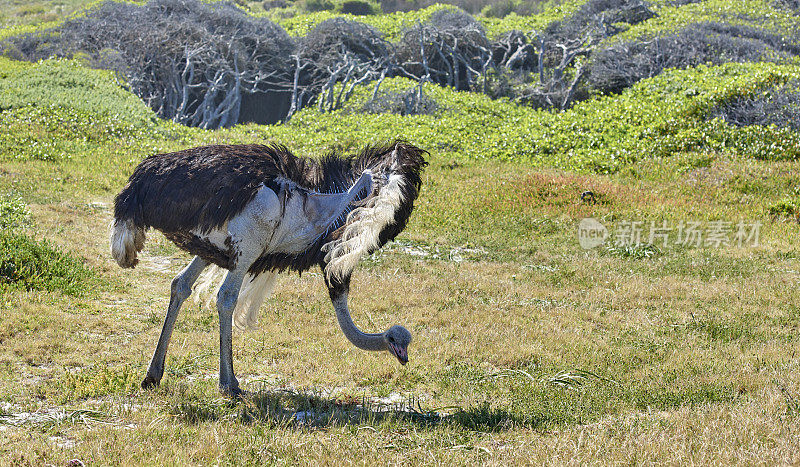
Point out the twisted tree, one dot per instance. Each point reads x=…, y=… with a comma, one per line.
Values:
x=335, y=57
x=191, y=62
x=451, y=49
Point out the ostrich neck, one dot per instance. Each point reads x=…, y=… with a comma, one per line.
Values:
x=362, y=340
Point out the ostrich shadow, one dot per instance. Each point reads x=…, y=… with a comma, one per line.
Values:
x=300, y=410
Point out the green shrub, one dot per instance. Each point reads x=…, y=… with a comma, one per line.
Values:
x=29, y=264
x=657, y=117
x=777, y=105
x=410, y=102
x=38, y=265
x=66, y=83
x=316, y=5
x=785, y=208
x=13, y=212
x=56, y=109
x=617, y=66
x=359, y=8
x=672, y=17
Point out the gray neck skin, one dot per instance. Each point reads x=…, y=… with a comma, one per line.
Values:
x=362, y=340
x=323, y=209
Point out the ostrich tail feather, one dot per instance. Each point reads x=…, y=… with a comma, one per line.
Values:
x=209, y=280
x=254, y=290
x=127, y=239
x=361, y=235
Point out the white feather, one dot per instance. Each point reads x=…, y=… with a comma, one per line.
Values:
x=126, y=241
x=252, y=294
x=363, y=228
x=209, y=280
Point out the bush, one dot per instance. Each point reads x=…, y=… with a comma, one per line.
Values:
x=338, y=52
x=409, y=102
x=270, y=4
x=445, y=50
x=620, y=65
x=496, y=8
x=792, y=5
x=67, y=84
x=358, y=8
x=189, y=61
x=601, y=16
x=777, y=105
x=33, y=265
x=330, y=40
x=316, y=5
x=655, y=118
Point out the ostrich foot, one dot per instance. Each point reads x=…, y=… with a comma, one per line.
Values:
x=231, y=389
x=150, y=382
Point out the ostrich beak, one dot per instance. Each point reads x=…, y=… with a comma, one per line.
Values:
x=400, y=353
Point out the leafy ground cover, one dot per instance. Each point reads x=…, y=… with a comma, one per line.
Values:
x=528, y=348
x=672, y=17
x=393, y=24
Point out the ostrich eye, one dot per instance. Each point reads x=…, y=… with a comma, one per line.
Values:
x=391, y=339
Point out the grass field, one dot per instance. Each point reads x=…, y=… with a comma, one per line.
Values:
x=527, y=348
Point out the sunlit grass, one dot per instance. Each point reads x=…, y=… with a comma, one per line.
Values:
x=527, y=348
x=528, y=335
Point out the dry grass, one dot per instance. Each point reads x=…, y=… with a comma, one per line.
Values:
x=527, y=348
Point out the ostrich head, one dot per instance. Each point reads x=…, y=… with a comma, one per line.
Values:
x=397, y=339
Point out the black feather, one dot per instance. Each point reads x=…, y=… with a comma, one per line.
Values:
x=202, y=188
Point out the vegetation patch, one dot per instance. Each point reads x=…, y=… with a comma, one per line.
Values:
x=410, y=102
x=13, y=213
x=94, y=381
x=789, y=208
x=39, y=265
x=198, y=74
x=655, y=118
x=30, y=264
x=618, y=66
x=66, y=84
x=671, y=398
x=777, y=106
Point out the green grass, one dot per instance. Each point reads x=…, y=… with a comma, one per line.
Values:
x=13, y=212
x=33, y=265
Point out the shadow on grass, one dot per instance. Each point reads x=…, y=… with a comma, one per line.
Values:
x=291, y=409
x=561, y=400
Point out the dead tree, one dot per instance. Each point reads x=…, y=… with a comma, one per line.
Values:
x=333, y=59
x=450, y=50
x=189, y=61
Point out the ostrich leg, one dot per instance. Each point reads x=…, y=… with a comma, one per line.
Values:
x=180, y=291
x=226, y=302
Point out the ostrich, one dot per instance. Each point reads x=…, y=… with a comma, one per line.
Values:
x=257, y=210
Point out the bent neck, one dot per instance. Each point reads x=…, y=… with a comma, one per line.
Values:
x=362, y=340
